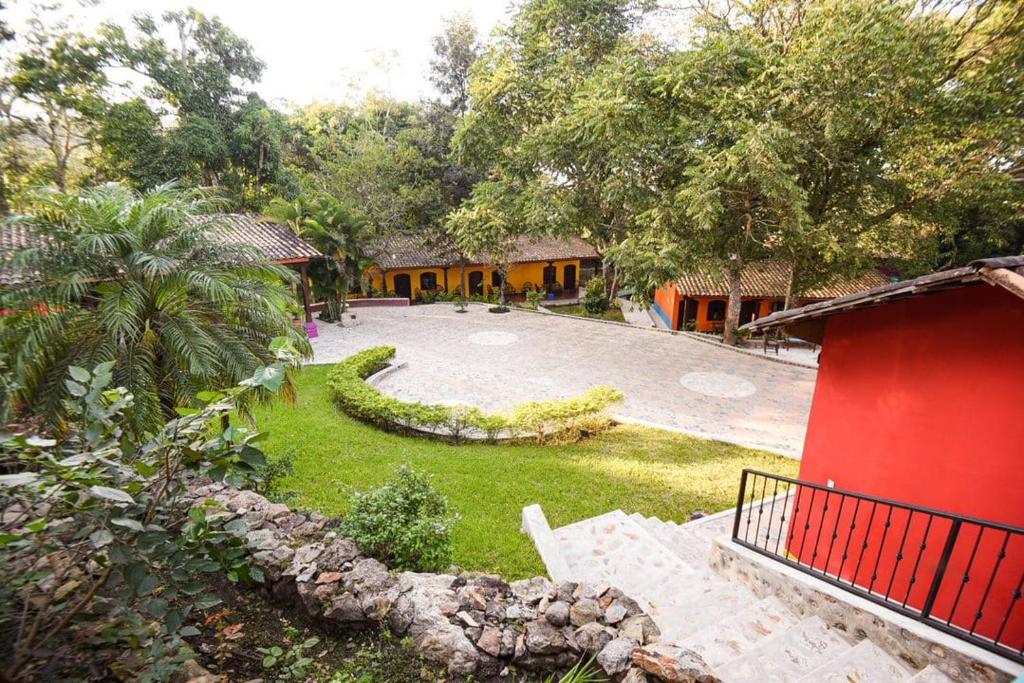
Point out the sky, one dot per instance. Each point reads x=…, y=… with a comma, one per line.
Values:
x=320, y=49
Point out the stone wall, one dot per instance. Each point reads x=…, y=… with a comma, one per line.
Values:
x=475, y=625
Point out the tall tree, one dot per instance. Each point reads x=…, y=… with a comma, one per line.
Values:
x=56, y=88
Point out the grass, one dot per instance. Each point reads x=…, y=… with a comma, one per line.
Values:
x=637, y=469
x=612, y=313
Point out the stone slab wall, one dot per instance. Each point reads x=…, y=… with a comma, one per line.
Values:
x=475, y=625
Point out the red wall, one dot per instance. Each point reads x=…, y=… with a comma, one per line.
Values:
x=920, y=401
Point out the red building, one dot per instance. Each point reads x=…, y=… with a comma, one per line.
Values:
x=920, y=402
x=697, y=300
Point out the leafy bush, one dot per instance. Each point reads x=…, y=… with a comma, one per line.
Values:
x=96, y=548
x=544, y=418
x=541, y=418
x=267, y=480
x=534, y=298
x=404, y=523
x=595, y=299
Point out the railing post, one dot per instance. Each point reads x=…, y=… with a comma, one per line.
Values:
x=940, y=569
x=739, y=506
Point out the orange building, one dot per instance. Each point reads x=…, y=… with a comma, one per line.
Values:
x=697, y=301
x=407, y=267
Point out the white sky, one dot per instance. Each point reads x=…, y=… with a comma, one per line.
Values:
x=319, y=49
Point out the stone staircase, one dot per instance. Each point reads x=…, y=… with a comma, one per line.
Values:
x=664, y=567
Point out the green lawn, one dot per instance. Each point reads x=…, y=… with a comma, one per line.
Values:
x=642, y=470
x=612, y=313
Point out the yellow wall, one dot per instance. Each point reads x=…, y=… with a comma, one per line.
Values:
x=519, y=274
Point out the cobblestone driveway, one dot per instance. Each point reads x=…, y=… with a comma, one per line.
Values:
x=495, y=361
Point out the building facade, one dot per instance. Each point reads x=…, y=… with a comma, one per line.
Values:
x=697, y=301
x=408, y=268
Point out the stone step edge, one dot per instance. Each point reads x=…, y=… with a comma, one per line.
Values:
x=908, y=640
x=535, y=525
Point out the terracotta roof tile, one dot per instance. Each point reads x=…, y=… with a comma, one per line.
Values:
x=408, y=251
x=770, y=278
x=277, y=242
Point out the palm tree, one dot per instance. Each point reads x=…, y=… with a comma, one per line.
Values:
x=117, y=275
x=338, y=235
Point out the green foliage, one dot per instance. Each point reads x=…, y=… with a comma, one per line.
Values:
x=534, y=298
x=96, y=548
x=404, y=523
x=138, y=279
x=268, y=478
x=584, y=671
x=293, y=664
x=595, y=299
x=542, y=419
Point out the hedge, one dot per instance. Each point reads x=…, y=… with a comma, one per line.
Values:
x=541, y=419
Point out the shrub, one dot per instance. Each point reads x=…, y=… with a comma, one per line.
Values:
x=99, y=550
x=534, y=298
x=542, y=418
x=405, y=523
x=595, y=300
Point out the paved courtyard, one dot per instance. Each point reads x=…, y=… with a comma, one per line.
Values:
x=497, y=360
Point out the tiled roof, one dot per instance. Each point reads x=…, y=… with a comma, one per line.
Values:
x=277, y=242
x=1002, y=271
x=408, y=251
x=770, y=278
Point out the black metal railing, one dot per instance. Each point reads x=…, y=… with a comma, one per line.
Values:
x=961, y=575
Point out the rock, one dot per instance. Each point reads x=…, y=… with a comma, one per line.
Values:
x=447, y=644
x=640, y=628
x=262, y=539
x=495, y=611
x=368, y=576
x=565, y=591
x=491, y=586
x=543, y=639
x=632, y=608
x=466, y=619
x=337, y=554
x=531, y=591
x=490, y=641
x=697, y=514
x=508, y=642
x=585, y=611
x=518, y=612
x=328, y=577
x=557, y=613
x=470, y=598
x=634, y=675
x=590, y=590
x=673, y=664
x=346, y=609
x=615, y=613
x=593, y=637
x=615, y=657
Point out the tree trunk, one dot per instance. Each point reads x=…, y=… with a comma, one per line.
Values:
x=5, y=206
x=462, y=281
x=613, y=291
x=732, y=311
x=345, y=282
x=789, y=289
x=501, y=289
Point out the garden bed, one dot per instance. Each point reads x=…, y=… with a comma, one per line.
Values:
x=638, y=469
x=614, y=313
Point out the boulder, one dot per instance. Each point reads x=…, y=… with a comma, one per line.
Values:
x=345, y=608
x=640, y=628
x=593, y=637
x=531, y=591
x=543, y=639
x=615, y=612
x=673, y=664
x=490, y=641
x=584, y=611
x=447, y=644
x=616, y=656
x=337, y=554
x=557, y=613
x=635, y=675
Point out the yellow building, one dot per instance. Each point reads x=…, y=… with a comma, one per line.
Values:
x=406, y=267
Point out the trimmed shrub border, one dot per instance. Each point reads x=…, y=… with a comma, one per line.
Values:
x=351, y=386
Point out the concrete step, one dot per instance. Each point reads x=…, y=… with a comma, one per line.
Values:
x=739, y=633
x=692, y=547
x=689, y=612
x=788, y=657
x=613, y=549
x=930, y=674
x=864, y=663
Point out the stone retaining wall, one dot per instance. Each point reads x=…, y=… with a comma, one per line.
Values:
x=475, y=625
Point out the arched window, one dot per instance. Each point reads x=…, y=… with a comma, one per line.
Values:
x=716, y=310
x=549, y=275
x=428, y=281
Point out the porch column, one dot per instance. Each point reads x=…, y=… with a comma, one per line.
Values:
x=306, y=298
x=446, y=279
